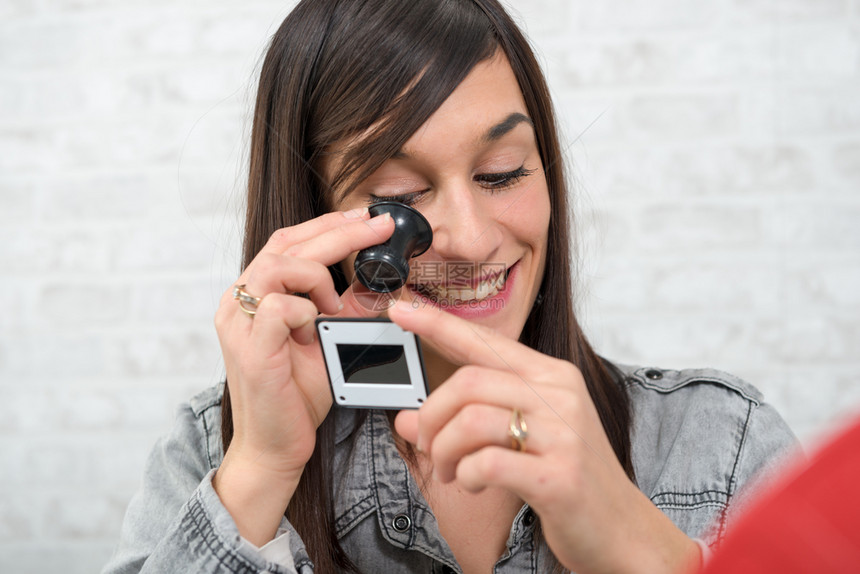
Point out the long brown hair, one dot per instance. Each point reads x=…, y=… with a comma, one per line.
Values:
x=336, y=68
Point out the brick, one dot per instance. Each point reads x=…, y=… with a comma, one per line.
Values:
x=807, y=110
x=594, y=63
x=23, y=411
x=13, y=9
x=16, y=521
x=621, y=173
x=88, y=304
x=831, y=227
x=741, y=169
x=587, y=118
x=243, y=32
x=802, y=395
x=640, y=14
x=645, y=60
x=602, y=229
x=149, y=248
x=724, y=55
x=41, y=556
x=189, y=352
x=846, y=161
x=86, y=199
x=684, y=116
x=33, y=463
x=55, y=251
x=26, y=149
x=192, y=301
x=761, y=11
x=803, y=339
x=33, y=96
x=17, y=203
x=86, y=515
x=206, y=191
x=832, y=287
x=542, y=17
x=829, y=51
x=53, y=355
x=620, y=285
x=715, y=171
x=675, y=341
x=220, y=85
x=726, y=286
x=693, y=228
x=213, y=139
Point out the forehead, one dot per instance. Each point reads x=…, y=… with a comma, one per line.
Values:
x=479, y=107
x=483, y=107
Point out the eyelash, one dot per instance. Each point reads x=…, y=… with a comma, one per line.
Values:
x=492, y=181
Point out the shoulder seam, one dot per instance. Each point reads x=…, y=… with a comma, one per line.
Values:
x=200, y=402
x=634, y=379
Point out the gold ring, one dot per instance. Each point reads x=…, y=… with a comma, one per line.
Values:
x=518, y=430
x=245, y=298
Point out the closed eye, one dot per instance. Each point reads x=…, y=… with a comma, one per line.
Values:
x=499, y=181
x=406, y=198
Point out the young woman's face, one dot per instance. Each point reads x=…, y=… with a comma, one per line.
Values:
x=474, y=171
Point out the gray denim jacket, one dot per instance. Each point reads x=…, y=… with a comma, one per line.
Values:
x=698, y=438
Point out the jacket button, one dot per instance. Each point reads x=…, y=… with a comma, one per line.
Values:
x=401, y=523
x=654, y=374
x=529, y=517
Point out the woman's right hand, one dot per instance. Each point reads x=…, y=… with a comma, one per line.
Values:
x=278, y=384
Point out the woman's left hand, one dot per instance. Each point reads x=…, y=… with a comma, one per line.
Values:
x=593, y=517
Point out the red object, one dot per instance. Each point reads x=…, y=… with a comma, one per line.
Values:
x=809, y=522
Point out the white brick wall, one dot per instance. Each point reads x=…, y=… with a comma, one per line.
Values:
x=716, y=150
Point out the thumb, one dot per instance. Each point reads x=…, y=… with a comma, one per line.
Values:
x=406, y=425
x=359, y=301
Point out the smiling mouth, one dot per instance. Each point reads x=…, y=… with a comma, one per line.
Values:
x=488, y=287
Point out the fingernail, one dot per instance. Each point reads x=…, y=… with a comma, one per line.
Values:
x=355, y=213
x=380, y=220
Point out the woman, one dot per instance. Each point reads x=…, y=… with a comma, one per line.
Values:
x=439, y=104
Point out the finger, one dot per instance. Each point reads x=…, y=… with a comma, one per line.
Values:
x=359, y=301
x=406, y=425
x=284, y=238
x=474, y=385
x=466, y=343
x=517, y=472
x=274, y=273
x=335, y=245
x=476, y=427
x=278, y=317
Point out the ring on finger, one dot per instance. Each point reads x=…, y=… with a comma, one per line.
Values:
x=247, y=302
x=518, y=431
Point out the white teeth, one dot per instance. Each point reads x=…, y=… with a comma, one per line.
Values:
x=483, y=290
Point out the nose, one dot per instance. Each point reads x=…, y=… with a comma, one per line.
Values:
x=464, y=228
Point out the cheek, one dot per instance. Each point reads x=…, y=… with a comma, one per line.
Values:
x=530, y=219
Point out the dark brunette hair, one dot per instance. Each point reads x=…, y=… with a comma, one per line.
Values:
x=336, y=68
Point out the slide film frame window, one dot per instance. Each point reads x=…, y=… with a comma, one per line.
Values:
x=372, y=333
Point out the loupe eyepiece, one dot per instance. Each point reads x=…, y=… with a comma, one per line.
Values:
x=384, y=268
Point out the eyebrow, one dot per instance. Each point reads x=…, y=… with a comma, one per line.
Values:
x=493, y=134
x=509, y=123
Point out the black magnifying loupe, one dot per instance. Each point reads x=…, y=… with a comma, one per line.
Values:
x=384, y=268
